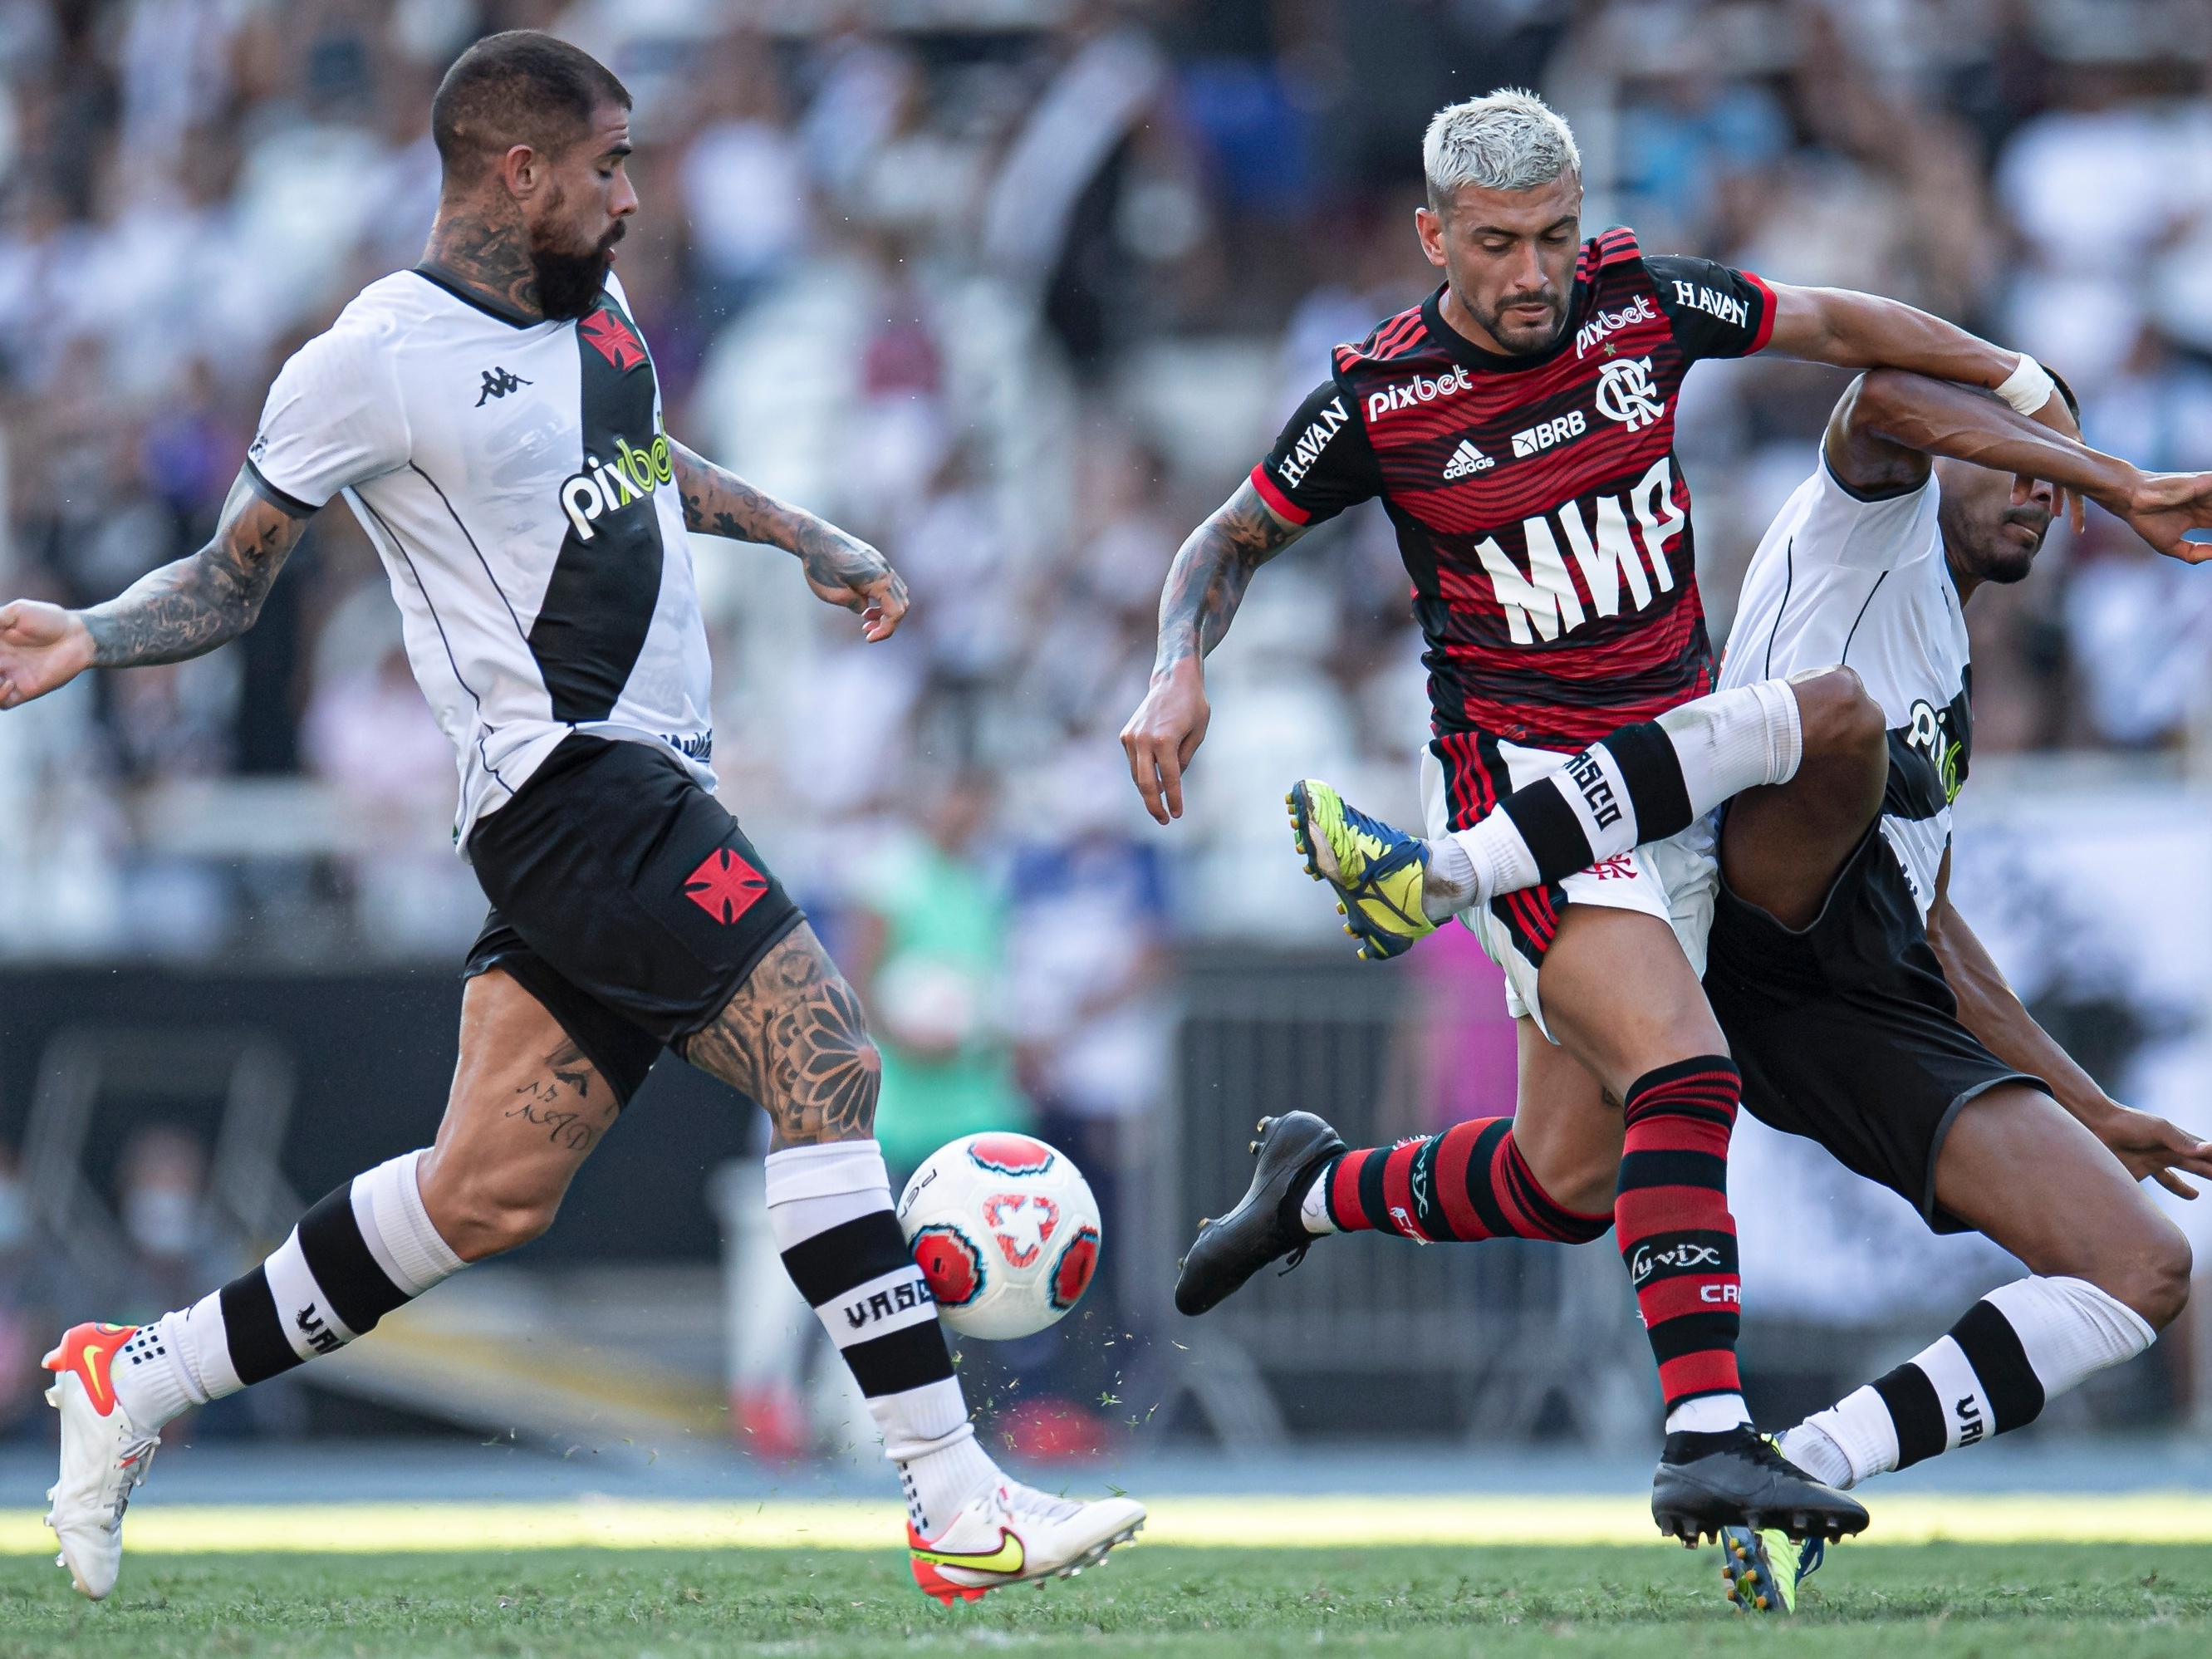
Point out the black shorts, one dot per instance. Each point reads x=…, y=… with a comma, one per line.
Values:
x=625, y=898
x=1847, y=1033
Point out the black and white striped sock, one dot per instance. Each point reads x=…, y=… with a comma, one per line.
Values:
x=2019, y=1347
x=830, y=1209
x=1643, y=782
x=364, y=1250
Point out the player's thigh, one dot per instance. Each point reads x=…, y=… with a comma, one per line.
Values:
x=2018, y=1167
x=1782, y=845
x=1621, y=997
x=793, y=1038
x=1565, y=1125
x=525, y=1110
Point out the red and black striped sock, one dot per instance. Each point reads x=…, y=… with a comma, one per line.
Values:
x=1676, y=1234
x=1469, y=1183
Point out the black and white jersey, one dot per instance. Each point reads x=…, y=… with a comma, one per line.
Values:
x=1865, y=583
x=514, y=476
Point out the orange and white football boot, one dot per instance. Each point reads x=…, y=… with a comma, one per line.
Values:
x=1010, y=1533
x=104, y=1455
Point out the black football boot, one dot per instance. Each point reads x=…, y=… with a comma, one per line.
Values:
x=1739, y=1478
x=1265, y=1224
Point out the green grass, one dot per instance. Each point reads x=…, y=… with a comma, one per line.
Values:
x=1997, y=1602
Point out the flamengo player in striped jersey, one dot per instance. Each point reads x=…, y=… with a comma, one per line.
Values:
x=1518, y=426
x=493, y=418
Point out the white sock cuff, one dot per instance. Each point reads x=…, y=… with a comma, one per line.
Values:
x=1500, y=855
x=1785, y=728
x=1709, y=1413
x=797, y=1173
x=1863, y=1431
x=1735, y=740
x=2069, y=1330
x=387, y=1206
x=922, y=1421
x=1313, y=1208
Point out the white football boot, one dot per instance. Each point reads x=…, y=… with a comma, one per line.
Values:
x=104, y=1455
x=1010, y=1533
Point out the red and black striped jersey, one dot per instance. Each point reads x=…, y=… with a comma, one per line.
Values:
x=1539, y=505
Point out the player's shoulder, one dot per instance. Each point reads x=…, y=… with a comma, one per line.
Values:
x=1827, y=520
x=1393, y=341
x=1613, y=252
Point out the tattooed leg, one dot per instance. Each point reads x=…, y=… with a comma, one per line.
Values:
x=525, y=1110
x=793, y=1039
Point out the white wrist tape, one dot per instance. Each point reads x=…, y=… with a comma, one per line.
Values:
x=2028, y=387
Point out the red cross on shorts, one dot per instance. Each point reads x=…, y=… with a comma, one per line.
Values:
x=724, y=885
x=612, y=338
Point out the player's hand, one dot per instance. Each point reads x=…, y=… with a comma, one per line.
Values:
x=42, y=648
x=1163, y=735
x=2154, y=1148
x=2165, y=507
x=854, y=575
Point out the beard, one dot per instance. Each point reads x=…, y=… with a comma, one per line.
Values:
x=569, y=284
x=1523, y=341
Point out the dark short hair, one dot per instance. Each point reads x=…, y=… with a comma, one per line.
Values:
x=521, y=87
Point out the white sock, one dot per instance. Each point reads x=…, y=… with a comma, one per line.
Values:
x=830, y=1209
x=1733, y=740
x=2021, y=1346
x=185, y=1358
x=1499, y=858
x=1449, y=885
x=1313, y=1208
x=1709, y=1413
x=1810, y=1449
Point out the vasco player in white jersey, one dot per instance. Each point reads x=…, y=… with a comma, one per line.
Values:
x=1518, y=426
x=493, y=419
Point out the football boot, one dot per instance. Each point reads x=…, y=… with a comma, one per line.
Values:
x=1265, y=1224
x=1740, y=1478
x=1763, y=1569
x=1010, y=1533
x=1377, y=871
x=104, y=1455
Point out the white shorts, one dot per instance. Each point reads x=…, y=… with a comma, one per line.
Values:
x=1673, y=879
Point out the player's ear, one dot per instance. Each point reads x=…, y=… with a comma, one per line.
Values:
x=519, y=169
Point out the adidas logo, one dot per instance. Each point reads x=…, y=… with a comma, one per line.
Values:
x=1465, y=459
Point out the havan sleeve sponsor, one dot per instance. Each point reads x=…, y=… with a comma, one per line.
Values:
x=1717, y=311
x=1321, y=462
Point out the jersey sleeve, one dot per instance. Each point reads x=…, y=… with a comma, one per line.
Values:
x=1843, y=528
x=1717, y=311
x=334, y=418
x=1322, y=462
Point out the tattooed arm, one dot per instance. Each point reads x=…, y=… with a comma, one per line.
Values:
x=841, y=569
x=793, y=1039
x=183, y=609
x=1204, y=585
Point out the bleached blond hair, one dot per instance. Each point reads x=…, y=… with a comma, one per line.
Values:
x=1511, y=139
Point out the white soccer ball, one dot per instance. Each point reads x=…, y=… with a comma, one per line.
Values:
x=1005, y=1230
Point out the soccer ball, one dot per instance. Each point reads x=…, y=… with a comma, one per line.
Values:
x=1005, y=1230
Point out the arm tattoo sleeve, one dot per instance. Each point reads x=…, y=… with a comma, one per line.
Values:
x=719, y=503
x=793, y=1039
x=189, y=608
x=1207, y=581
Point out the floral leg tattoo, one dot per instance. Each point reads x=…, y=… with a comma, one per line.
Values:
x=793, y=1038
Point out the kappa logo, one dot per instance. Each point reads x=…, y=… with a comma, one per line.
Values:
x=611, y=336
x=1611, y=322
x=498, y=382
x=1625, y=394
x=1547, y=434
x=725, y=886
x=320, y=1337
x=1465, y=461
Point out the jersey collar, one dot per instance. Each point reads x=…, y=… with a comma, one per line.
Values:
x=468, y=296
x=1457, y=346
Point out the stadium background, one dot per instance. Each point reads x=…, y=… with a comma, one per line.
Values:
x=1018, y=288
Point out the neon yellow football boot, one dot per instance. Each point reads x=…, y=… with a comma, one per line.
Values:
x=1764, y=1569
x=1377, y=871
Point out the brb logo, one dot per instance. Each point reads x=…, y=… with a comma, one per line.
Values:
x=605, y=486
x=1625, y=394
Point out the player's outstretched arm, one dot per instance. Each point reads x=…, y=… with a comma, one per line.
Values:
x=2148, y=1146
x=841, y=568
x=1891, y=421
x=1204, y=585
x=185, y=609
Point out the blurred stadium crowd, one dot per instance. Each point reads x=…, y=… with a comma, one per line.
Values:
x=1016, y=289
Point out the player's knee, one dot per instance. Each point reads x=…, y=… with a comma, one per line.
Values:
x=1837, y=717
x=2157, y=1282
x=485, y=1221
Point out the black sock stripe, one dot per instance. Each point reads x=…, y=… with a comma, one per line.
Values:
x=902, y=1360
x=1372, y=1205
x=1700, y=1254
x=2008, y=1382
x=1914, y=1412
x=1689, y=1111
x=1550, y=827
x=251, y=1330
x=1428, y=1202
x=360, y=1292
x=852, y=1252
x=1697, y=1332
x=1478, y=1191
x=1653, y=773
x=1639, y=1170
x=1659, y=1077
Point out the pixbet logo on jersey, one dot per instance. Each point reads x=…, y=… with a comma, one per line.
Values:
x=1419, y=389
x=605, y=486
x=1609, y=322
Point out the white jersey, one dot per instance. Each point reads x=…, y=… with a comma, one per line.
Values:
x=514, y=476
x=1865, y=583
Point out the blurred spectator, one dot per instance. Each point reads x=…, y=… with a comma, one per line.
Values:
x=744, y=181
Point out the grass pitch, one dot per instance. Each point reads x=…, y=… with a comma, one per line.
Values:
x=2114, y=1601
